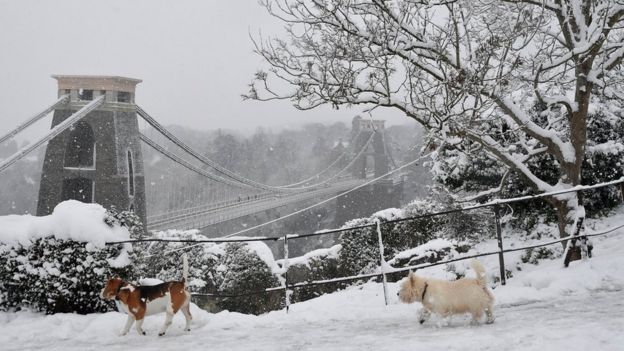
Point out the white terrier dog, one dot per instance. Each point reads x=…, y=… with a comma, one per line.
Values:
x=446, y=298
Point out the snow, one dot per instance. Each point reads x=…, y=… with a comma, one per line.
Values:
x=264, y=253
x=70, y=220
x=389, y=214
x=120, y=261
x=150, y=281
x=609, y=147
x=331, y=252
x=432, y=245
x=543, y=307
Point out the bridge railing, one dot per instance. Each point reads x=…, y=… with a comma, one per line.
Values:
x=385, y=269
x=201, y=217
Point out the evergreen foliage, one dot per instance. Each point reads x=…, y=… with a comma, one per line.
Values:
x=242, y=271
x=321, y=267
x=360, y=247
x=473, y=171
x=54, y=276
x=203, y=261
x=59, y=276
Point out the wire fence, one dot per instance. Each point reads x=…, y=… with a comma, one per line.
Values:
x=384, y=267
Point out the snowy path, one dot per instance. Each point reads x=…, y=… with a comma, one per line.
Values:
x=593, y=321
x=543, y=307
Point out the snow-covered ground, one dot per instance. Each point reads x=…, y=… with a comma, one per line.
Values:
x=544, y=307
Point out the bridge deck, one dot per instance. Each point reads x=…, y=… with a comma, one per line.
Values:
x=208, y=216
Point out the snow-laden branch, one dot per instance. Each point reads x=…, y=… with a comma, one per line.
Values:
x=504, y=74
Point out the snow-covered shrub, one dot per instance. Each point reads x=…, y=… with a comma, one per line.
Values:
x=203, y=260
x=360, y=247
x=126, y=219
x=245, y=268
x=6, y=272
x=604, y=161
x=56, y=276
x=59, y=263
x=533, y=255
x=321, y=264
x=463, y=226
x=429, y=252
x=466, y=167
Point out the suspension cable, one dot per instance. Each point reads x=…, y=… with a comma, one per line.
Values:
x=199, y=210
x=203, y=159
x=189, y=166
x=344, y=153
x=309, y=207
x=62, y=100
x=61, y=127
x=213, y=164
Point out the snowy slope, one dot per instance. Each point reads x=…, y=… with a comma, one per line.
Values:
x=543, y=307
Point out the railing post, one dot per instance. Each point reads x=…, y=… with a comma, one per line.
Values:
x=499, y=238
x=382, y=260
x=286, y=265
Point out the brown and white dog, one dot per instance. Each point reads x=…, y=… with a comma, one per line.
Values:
x=466, y=295
x=140, y=301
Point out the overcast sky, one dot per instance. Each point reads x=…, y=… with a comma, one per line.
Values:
x=194, y=56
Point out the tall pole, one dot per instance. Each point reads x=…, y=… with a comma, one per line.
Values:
x=286, y=265
x=499, y=238
x=382, y=260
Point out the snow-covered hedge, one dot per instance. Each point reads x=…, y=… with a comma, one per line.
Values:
x=165, y=259
x=432, y=251
x=228, y=268
x=58, y=263
x=249, y=267
x=315, y=265
x=360, y=247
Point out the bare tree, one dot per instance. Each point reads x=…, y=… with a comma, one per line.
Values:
x=511, y=78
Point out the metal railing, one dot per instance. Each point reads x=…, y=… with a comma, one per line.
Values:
x=288, y=287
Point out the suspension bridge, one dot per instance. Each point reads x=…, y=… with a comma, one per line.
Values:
x=95, y=150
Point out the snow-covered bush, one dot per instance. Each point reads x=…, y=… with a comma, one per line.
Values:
x=360, y=247
x=126, y=219
x=604, y=161
x=316, y=265
x=203, y=260
x=59, y=263
x=248, y=267
x=230, y=269
x=474, y=171
x=56, y=276
x=429, y=252
x=533, y=255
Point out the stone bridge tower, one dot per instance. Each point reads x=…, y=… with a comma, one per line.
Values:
x=383, y=193
x=98, y=159
x=361, y=131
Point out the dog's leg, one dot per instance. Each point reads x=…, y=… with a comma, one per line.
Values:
x=139, y=326
x=489, y=314
x=168, y=320
x=423, y=315
x=477, y=314
x=186, y=310
x=129, y=323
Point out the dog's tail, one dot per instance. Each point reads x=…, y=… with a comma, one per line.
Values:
x=478, y=268
x=185, y=268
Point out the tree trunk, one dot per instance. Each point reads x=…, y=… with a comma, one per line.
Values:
x=569, y=210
